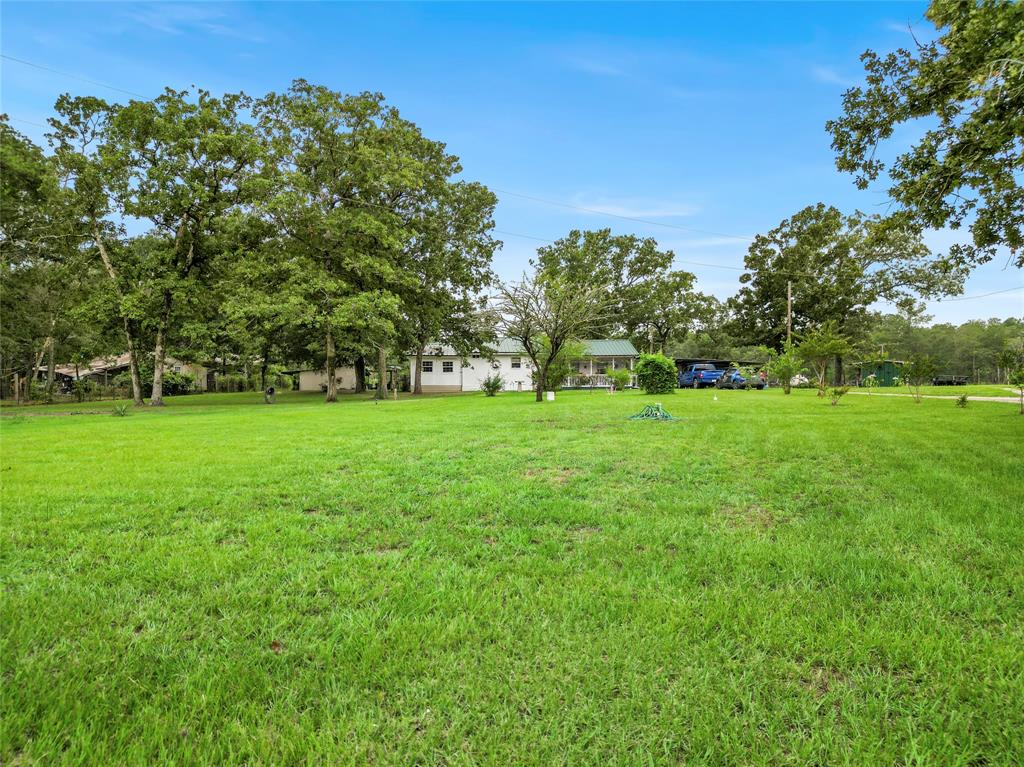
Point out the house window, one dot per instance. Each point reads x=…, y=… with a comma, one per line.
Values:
x=476, y=355
x=517, y=362
x=447, y=366
x=177, y=368
x=428, y=366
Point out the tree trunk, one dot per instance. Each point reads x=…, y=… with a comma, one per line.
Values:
x=418, y=386
x=156, y=399
x=840, y=379
x=133, y=363
x=263, y=370
x=129, y=328
x=17, y=389
x=51, y=377
x=382, y=373
x=332, y=386
x=541, y=379
x=360, y=374
x=36, y=365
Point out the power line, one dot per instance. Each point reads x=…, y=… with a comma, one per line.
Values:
x=980, y=295
x=514, y=194
x=678, y=260
x=74, y=77
x=27, y=122
x=624, y=218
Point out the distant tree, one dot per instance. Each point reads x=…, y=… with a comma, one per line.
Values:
x=46, y=278
x=545, y=313
x=450, y=256
x=819, y=348
x=181, y=162
x=640, y=292
x=667, y=311
x=340, y=182
x=838, y=266
x=966, y=88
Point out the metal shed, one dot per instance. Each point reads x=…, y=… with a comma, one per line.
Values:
x=885, y=371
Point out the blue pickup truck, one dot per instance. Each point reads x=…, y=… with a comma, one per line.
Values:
x=698, y=376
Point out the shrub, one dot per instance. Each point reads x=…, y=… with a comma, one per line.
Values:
x=493, y=384
x=961, y=401
x=620, y=378
x=785, y=366
x=656, y=374
x=836, y=393
x=870, y=382
x=178, y=383
x=121, y=409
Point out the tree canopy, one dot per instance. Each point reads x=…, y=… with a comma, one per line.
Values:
x=838, y=266
x=967, y=88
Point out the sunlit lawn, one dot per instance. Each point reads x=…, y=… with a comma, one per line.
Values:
x=462, y=580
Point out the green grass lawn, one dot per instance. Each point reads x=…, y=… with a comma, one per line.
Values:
x=972, y=390
x=463, y=580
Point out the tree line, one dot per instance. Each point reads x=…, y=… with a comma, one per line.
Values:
x=315, y=228
x=307, y=227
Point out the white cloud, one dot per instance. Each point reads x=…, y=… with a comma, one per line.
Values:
x=176, y=19
x=593, y=66
x=830, y=76
x=636, y=208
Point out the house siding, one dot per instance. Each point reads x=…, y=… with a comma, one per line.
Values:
x=470, y=376
x=316, y=380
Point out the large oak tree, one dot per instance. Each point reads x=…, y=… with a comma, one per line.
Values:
x=966, y=88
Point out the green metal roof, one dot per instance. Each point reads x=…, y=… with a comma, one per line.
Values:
x=609, y=347
x=508, y=346
x=601, y=347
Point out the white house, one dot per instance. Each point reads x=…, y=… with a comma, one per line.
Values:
x=443, y=370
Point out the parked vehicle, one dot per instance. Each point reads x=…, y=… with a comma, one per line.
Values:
x=949, y=380
x=731, y=378
x=698, y=376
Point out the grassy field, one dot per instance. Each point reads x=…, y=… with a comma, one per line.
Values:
x=462, y=580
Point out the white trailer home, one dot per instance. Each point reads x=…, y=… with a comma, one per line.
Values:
x=443, y=370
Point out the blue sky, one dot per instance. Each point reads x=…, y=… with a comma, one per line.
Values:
x=704, y=119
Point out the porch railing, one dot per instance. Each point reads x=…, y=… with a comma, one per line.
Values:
x=596, y=381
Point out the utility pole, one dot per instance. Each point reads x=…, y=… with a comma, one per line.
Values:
x=789, y=311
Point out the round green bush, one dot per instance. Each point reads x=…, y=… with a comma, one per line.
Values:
x=656, y=374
